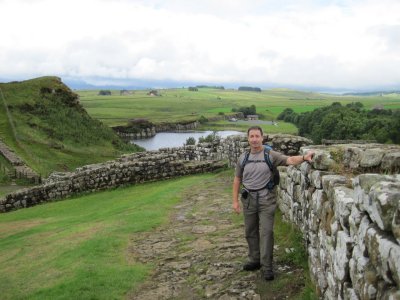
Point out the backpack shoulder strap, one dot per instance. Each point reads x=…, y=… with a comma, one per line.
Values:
x=245, y=159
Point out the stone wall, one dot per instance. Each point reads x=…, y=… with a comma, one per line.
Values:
x=141, y=167
x=21, y=170
x=350, y=221
x=230, y=148
x=129, y=169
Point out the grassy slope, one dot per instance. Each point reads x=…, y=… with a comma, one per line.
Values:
x=181, y=104
x=53, y=132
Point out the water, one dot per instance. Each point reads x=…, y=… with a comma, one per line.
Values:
x=177, y=139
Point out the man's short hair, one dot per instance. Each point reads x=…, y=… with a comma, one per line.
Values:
x=255, y=128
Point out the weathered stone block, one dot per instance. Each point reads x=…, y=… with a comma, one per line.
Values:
x=322, y=160
x=343, y=203
x=316, y=177
x=391, y=161
x=354, y=220
x=331, y=181
x=283, y=180
x=379, y=250
x=396, y=224
x=344, y=246
x=384, y=201
x=371, y=158
x=327, y=216
x=305, y=168
x=317, y=201
x=358, y=265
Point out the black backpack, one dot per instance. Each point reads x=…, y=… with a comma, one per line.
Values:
x=275, y=173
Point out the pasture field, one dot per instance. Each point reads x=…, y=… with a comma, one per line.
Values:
x=184, y=105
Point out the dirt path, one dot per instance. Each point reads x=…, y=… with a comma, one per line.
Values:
x=199, y=254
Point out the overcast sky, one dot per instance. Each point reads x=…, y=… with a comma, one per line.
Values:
x=351, y=44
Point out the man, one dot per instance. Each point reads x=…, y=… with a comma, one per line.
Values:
x=260, y=202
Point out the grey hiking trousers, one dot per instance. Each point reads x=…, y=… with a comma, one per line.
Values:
x=259, y=211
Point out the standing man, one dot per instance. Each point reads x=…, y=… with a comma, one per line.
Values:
x=259, y=202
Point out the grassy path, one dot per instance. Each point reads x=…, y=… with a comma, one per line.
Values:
x=199, y=254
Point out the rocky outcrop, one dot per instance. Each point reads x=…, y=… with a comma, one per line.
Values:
x=165, y=127
x=144, y=133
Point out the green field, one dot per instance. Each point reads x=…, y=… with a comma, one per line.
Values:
x=183, y=105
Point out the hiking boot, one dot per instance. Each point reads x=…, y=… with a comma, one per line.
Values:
x=268, y=275
x=251, y=266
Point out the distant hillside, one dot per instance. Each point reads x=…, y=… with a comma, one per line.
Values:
x=374, y=93
x=43, y=122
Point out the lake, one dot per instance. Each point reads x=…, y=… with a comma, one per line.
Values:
x=177, y=139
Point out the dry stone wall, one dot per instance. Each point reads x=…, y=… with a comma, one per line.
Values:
x=351, y=223
x=230, y=148
x=21, y=170
x=137, y=168
x=129, y=169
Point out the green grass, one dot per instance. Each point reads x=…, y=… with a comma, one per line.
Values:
x=242, y=126
x=297, y=283
x=288, y=236
x=183, y=105
x=79, y=248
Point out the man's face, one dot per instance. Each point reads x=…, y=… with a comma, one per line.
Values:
x=255, y=138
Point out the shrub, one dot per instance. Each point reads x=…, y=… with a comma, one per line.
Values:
x=210, y=138
x=105, y=93
x=203, y=119
x=190, y=141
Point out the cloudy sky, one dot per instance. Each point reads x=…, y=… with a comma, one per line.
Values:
x=352, y=44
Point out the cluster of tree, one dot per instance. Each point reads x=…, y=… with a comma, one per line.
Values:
x=352, y=122
x=203, y=119
x=208, y=139
x=220, y=87
x=249, y=89
x=193, y=89
x=246, y=110
x=105, y=93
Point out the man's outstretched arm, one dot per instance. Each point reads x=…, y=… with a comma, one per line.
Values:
x=235, y=194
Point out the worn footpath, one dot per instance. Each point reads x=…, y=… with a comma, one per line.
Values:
x=200, y=253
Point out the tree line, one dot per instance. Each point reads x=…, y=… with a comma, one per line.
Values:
x=352, y=121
